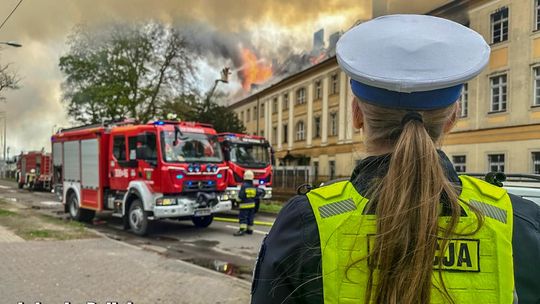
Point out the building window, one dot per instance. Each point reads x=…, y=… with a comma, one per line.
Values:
x=242, y=116
x=537, y=15
x=300, y=131
x=262, y=110
x=274, y=106
x=499, y=25
x=332, y=169
x=315, y=171
x=301, y=96
x=536, y=162
x=285, y=133
x=274, y=135
x=536, y=86
x=318, y=90
x=498, y=93
x=285, y=101
x=333, y=124
x=496, y=162
x=255, y=113
x=464, y=101
x=335, y=84
x=262, y=133
x=317, y=127
x=460, y=163
x=248, y=115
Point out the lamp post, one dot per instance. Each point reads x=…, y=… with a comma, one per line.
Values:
x=11, y=43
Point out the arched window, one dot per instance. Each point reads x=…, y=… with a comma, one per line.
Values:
x=300, y=134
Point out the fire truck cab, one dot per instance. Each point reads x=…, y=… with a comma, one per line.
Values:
x=164, y=169
x=247, y=152
x=33, y=170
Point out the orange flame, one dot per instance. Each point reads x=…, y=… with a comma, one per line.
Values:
x=254, y=70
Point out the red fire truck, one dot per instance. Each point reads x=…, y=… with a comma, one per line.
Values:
x=34, y=170
x=247, y=152
x=164, y=169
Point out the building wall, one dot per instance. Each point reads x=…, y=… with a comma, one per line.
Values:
x=514, y=132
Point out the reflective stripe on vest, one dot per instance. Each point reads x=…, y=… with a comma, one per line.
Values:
x=476, y=268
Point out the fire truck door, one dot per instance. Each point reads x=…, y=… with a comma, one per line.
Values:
x=119, y=165
x=146, y=165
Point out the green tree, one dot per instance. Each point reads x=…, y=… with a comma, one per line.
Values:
x=125, y=71
x=192, y=108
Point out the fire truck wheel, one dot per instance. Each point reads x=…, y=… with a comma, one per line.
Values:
x=202, y=221
x=76, y=213
x=138, y=218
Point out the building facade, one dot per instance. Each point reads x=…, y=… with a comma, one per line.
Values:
x=307, y=116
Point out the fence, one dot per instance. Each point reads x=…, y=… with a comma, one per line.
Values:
x=290, y=177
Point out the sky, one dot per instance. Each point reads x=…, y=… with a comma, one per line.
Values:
x=273, y=29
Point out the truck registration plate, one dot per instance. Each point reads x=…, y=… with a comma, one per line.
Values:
x=203, y=212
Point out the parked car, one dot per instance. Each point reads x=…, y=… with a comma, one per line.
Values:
x=524, y=185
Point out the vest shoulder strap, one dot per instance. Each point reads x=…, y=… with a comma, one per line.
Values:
x=331, y=191
x=483, y=187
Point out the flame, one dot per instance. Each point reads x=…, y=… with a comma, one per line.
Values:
x=254, y=70
x=317, y=59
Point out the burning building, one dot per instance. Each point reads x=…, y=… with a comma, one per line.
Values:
x=307, y=114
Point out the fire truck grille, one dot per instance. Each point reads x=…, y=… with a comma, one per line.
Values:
x=199, y=186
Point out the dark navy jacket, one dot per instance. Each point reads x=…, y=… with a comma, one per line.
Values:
x=244, y=199
x=289, y=265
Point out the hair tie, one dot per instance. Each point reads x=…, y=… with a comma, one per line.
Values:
x=411, y=116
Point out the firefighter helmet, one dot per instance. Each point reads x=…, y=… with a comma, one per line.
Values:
x=248, y=175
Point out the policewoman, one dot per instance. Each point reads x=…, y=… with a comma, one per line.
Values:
x=405, y=228
x=248, y=198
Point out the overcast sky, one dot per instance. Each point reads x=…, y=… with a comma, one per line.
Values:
x=42, y=26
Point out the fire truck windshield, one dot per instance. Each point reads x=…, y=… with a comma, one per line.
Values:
x=190, y=147
x=250, y=155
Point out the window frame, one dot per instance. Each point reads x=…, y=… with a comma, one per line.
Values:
x=490, y=164
x=248, y=115
x=261, y=114
x=464, y=101
x=459, y=167
x=300, y=134
x=255, y=113
x=536, y=85
x=334, y=80
x=318, y=90
x=285, y=101
x=331, y=169
x=536, y=12
x=317, y=126
x=503, y=23
x=124, y=141
x=301, y=96
x=535, y=162
x=334, y=124
x=502, y=93
x=275, y=105
x=285, y=133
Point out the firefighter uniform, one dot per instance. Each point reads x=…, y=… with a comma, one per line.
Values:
x=248, y=198
x=317, y=250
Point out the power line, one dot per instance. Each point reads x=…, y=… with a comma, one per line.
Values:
x=14, y=9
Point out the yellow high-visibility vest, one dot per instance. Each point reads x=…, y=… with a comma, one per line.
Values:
x=476, y=268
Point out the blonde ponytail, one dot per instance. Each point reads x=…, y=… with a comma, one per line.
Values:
x=407, y=204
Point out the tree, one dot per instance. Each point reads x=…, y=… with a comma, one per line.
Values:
x=192, y=108
x=8, y=80
x=125, y=71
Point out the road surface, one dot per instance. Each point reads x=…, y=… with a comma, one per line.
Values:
x=214, y=247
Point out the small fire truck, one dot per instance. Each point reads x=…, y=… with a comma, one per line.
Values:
x=34, y=170
x=247, y=152
x=163, y=169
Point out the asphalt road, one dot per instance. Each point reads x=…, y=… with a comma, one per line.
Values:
x=214, y=247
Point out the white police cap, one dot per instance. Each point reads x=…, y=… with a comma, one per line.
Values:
x=411, y=61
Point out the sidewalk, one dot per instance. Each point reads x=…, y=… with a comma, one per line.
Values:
x=100, y=270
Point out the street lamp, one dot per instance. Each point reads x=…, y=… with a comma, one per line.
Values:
x=11, y=43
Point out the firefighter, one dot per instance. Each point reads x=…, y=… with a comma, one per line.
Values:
x=405, y=228
x=247, y=200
